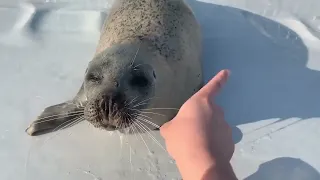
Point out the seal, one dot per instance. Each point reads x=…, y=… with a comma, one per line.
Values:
x=146, y=65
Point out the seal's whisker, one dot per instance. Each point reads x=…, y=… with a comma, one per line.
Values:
x=73, y=123
x=105, y=106
x=48, y=120
x=153, y=113
x=80, y=105
x=143, y=115
x=140, y=105
x=138, y=65
x=125, y=102
x=161, y=109
x=137, y=125
x=134, y=132
x=66, y=124
x=130, y=159
x=119, y=125
x=135, y=56
x=145, y=118
x=126, y=136
x=144, y=101
x=132, y=101
x=151, y=136
x=63, y=114
x=110, y=109
x=134, y=125
x=149, y=122
x=121, y=144
x=146, y=112
x=130, y=117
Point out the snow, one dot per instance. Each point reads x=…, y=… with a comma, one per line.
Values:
x=272, y=99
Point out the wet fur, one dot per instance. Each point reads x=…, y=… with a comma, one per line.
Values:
x=164, y=36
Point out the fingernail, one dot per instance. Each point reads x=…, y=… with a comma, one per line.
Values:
x=227, y=75
x=228, y=72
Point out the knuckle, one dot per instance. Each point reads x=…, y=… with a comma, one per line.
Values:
x=205, y=101
x=220, y=110
x=219, y=84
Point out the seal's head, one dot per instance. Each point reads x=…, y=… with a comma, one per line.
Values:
x=126, y=84
x=118, y=85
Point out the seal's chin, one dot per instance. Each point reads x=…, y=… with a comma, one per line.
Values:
x=120, y=119
x=110, y=122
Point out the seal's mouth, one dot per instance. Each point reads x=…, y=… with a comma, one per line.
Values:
x=109, y=113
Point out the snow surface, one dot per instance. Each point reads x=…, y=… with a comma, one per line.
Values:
x=272, y=99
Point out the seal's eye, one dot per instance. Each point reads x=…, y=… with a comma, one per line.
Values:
x=93, y=77
x=139, y=81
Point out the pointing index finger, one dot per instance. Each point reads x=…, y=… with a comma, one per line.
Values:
x=213, y=87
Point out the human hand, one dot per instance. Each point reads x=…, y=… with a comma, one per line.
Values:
x=199, y=137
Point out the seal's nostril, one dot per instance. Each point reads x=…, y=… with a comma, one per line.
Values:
x=139, y=81
x=116, y=84
x=154, y=74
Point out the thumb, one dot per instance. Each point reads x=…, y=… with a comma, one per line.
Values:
x=213, y=87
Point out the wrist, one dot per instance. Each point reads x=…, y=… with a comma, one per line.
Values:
x=220, y=172
x=204, y=166
x=194, y=165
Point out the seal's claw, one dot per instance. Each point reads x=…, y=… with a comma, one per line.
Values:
x=37, y=129
x=30, y=130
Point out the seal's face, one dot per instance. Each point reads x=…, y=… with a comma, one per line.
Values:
x=125, y=85
x=117, y=87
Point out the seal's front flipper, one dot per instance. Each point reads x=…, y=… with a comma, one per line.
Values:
x=56, y=117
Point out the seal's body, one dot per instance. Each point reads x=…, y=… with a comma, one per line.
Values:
x=147, y=63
